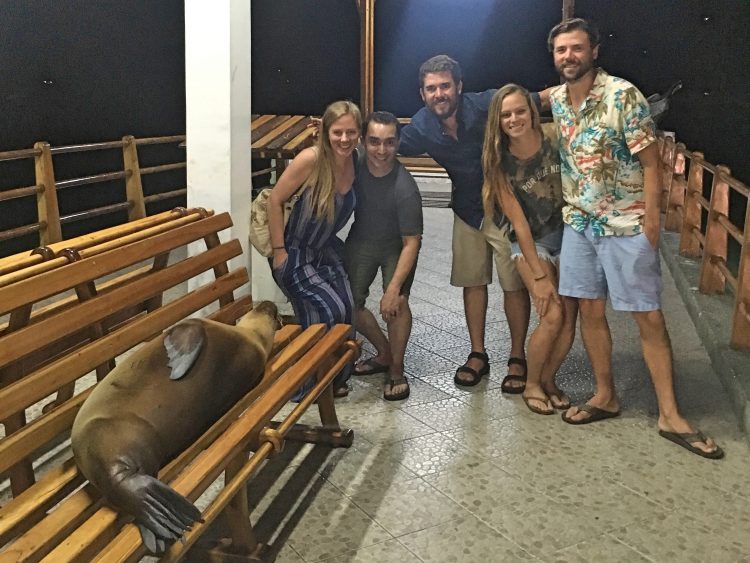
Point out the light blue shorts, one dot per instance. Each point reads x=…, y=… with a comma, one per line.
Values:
x=627, y=268
x=547, y=247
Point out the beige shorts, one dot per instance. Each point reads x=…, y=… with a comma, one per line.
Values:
x=472, y=256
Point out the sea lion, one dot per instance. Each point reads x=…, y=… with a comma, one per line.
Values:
x=156, y=403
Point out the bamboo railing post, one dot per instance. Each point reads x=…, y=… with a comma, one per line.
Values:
x=676, y=203
x=46, y=199
x=712, y=280
x=367, y=54
x=133, y=185
x=568, y=9
x=668, y=154
x=690, y=246
x=740, y=335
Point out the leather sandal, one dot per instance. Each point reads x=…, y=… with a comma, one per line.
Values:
x=476, y=376
x=518, y=389
x=393, y=382
x=536, y=409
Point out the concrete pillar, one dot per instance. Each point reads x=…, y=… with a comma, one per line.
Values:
x=217, y=87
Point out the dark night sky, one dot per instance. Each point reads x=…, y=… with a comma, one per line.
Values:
x=89, y=70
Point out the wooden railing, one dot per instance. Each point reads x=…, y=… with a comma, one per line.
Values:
x=49, y=221
x=704, y=226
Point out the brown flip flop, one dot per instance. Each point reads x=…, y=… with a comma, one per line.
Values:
x=537, y=410
x=595, y=413
x=393, y=381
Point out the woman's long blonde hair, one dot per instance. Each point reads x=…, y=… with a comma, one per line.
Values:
x=322, y=179
x=496, y=144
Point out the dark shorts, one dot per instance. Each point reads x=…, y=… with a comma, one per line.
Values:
x=363, y=260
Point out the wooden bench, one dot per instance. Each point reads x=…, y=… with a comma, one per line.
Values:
x=52, y=341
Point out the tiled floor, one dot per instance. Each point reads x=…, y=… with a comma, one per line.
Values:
x=456, y=475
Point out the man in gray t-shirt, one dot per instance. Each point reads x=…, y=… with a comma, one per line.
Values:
x=386, y=235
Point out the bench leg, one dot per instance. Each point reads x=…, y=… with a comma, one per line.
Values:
x=327, y=408
x=21, y=475
x=238, y=512
x=242, y=545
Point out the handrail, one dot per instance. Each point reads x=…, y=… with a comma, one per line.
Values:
x=161, y=140
x=685, y=205
x=95, y=212
x=47, y=187
x=104, y=177
x=15, y=155
x=87, y=147
x=20, y=192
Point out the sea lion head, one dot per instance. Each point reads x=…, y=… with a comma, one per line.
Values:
x=269, y=308
x=262, y=323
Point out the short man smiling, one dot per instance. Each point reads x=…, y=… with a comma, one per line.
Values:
x=386, y=235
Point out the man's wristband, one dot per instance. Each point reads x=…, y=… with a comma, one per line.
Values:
x=278, y=248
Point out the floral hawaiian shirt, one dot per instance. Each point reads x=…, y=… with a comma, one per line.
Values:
x=602, y=179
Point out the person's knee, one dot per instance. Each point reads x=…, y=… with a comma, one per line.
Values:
x=516, y=295
x=553, y=318
x=592, y=309
x=653, y=321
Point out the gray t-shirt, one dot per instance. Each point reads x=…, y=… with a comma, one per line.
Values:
x=388, y=208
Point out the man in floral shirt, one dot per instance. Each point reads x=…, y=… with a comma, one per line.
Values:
x=609, y=168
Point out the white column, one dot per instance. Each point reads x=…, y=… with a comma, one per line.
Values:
x=217, y=88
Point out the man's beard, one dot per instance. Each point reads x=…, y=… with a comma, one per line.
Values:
x=452, y=105
x=580, y=71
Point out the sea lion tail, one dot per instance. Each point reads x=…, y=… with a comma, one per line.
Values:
x=164, y=513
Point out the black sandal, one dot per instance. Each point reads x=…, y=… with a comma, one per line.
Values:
x=476, y=375
x=393, y=382
x=514, y=390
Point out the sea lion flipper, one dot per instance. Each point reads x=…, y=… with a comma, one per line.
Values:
x=152, y=543
x=183, y=344
x=164, y=514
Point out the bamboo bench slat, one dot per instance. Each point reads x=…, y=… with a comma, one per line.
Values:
x=139, y=228
x=276, y=131
x=262, y=130
x=26, y=508
x=36, y=288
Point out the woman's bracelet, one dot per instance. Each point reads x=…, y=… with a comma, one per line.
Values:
x=540, y=277
x=278, y=248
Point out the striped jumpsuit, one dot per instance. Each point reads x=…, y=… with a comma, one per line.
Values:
x=313, y=276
